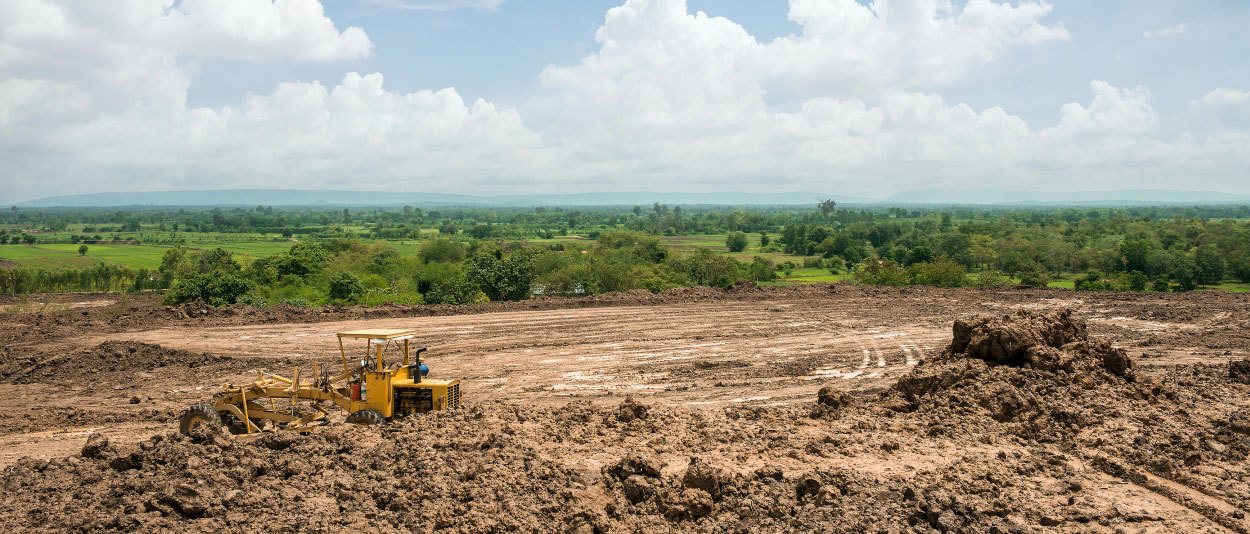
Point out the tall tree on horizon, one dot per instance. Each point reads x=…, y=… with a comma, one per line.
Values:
x=827, y=206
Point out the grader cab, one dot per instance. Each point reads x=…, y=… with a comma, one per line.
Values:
x=386, y=382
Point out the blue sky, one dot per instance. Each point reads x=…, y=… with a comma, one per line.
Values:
x=516, y=96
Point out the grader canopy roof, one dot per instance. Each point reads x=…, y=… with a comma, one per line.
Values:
x=379, y=333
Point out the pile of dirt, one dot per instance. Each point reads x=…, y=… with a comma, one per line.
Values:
x=1037, y=371
x=1039, y=378
x=497, y=467
x=105, y=360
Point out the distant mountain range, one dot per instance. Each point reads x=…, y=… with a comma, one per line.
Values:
x=297, y=197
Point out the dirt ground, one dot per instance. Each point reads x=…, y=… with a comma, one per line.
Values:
x=827, y=408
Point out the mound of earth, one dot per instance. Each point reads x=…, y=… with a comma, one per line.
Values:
x=1040, y=378
x=1038, y=371
x=496, y=467
x=108, y=358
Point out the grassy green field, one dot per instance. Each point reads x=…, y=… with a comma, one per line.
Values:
x=132, y=256
x=813, y=275
x=1235, y=287
x=29, y=256
x=687, y=242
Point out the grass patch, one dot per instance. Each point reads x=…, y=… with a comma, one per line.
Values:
x=56, y=306
x=37, y=257
x=687, y=242
x=1235, y=287
x=812, y=275
x=132, y=256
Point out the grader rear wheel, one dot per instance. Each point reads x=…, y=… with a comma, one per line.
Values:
x=366, y=417
x=199, y=416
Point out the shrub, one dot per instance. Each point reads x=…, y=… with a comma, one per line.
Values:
x=503, y=277
x=706, y=268
x=990, y=279
x=943, y=273
x=1092, y=281
x=736, y=241
x=217, y=288
x=454, y=290
x=1034, y=276
x=253, y=300
x=345, y=286
x=881, y=273
x=762, y=269
x=217, y=259
x=1185, y=273
x=444, y=250
x=302, y=260
x=835, y=264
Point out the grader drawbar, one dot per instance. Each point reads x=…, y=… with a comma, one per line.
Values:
x=370, y=390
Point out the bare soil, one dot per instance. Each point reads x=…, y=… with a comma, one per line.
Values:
x=824, y=408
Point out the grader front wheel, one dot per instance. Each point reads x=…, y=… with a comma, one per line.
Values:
x=199, y=416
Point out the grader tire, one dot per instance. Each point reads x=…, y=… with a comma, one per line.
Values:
x=366, y=417
x=199, y=415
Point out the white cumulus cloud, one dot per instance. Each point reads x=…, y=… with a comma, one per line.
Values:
x=437, y=5
x=1223, y=96
x=848, y=47
x=1161, y=33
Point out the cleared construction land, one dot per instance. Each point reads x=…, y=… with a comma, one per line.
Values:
x=725, y=429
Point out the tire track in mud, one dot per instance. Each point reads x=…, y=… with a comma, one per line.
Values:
x=1227, y=516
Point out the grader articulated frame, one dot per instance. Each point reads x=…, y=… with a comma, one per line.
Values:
x=369, y=390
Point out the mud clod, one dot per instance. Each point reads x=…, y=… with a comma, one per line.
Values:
x=700, y=475
x=628, y=410
x=1007, y=339
x=1239, y=371
x=833, y=398
x=633, y=465
x=637, y=488
x=687, y=504
x=96, y=446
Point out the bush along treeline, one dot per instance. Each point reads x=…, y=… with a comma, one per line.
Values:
x=1119, y=253
x=102, y=277
x=343, y=271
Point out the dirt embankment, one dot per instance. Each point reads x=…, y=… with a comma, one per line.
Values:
x=1024, y=421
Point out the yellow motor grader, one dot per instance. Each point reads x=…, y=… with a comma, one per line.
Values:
x=370, y=390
